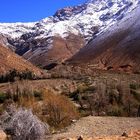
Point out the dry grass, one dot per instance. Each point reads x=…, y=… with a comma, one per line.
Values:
x=55, y=109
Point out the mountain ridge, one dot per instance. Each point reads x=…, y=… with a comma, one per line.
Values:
x=100, y=12
x=85, y=21
x=10, y=61
x=116, y=49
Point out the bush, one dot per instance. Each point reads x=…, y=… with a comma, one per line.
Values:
x=136, y=95
x=134, y=86
x=59, y=109
x=38, y=95
x=3, y=97
x=115, y=111
x=21, y=124
x=12, y=75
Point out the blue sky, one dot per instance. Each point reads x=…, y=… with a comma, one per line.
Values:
x=31, y=10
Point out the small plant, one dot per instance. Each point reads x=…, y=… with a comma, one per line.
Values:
x=115, y=111
x=134, y=86
x=136, y=95
x=38, y=95
x=3, y=97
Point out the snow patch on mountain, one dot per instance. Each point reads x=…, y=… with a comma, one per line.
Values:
x=15, y=30
x=88, y=20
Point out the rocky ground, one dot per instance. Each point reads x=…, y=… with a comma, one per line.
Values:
x=98, y=128
x=134, y=135
x=105, y=128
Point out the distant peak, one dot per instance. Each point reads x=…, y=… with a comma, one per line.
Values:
x=112, y=1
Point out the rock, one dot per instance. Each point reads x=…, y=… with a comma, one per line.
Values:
x=124, y=134
x=3, y=136
x=73, y=121
x=80, y=138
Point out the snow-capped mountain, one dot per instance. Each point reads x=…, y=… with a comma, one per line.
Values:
x=117, y=48
x=79, y=19
x=87, y=20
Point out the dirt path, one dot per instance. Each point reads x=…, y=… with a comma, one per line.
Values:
x=100, y=126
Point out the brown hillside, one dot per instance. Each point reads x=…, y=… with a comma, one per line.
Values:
x=9, y=60
x=118, y=48
x=61, y=50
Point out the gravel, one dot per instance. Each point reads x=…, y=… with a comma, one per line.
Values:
x=100, y=126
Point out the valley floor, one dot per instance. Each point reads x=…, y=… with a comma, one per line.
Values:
x=91, y=126
x=101, y=127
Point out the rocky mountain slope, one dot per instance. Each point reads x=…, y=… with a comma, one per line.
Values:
x=36, y=41
x=117, y=48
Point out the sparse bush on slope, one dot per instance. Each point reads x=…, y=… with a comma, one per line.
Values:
x=13, y=75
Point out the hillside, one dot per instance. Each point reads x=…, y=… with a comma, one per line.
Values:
x=36, y=41
x=61, y=50
x=117, y=48
x=9, y=61
x=72, y=76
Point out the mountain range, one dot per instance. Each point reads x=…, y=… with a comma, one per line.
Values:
x=101, y=33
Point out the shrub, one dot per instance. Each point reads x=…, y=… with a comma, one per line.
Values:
x=59, y=109
x=21, y=124
x=134, y=86
x=115, y=111
x=38, y=95
x=3, y=97
x=136, y=95
x=12, y=75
